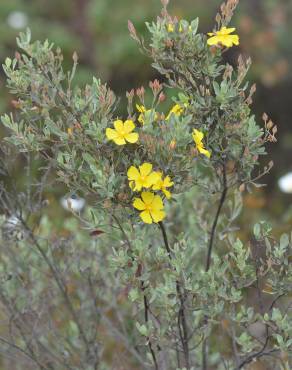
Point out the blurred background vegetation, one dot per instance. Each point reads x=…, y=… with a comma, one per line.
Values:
x=97, y=31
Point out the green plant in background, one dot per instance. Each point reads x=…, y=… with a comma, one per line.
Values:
x=154, y=265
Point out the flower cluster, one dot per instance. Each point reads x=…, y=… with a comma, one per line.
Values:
x=143, y=179
x=150, y=204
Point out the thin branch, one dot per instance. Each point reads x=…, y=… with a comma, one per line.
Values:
x=182, y=323
x=146, y=317
x=213, y=230
x=209, y=253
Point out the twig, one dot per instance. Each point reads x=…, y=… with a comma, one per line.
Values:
x=213, y=230
x=209, y=253
x=146, y=317
x=182, y=323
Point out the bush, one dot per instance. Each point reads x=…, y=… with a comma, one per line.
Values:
x=152, y=274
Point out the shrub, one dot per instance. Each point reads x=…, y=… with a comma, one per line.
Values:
x=152, y=275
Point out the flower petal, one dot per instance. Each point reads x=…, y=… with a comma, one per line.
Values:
x=120, y=141
x=147, y=197
x=129, y=126
x=152, y=179
x=157, y=215
x=140, y=108
x=158, y=184
x=205, y=152
x=213, y=40
x=167, y=193
x=146, y=217
x=132, y=138
x=157, y=203
x=167, y=182
x=119, y=125
x=133, y=173
x=111, y=134
x=226, y=31
x=198, y=136
x=138, y=204
x=235, y=39
x=145, y=169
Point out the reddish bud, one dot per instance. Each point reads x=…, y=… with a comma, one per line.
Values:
x=132, y=30
x=161, y=97
x=140, y=92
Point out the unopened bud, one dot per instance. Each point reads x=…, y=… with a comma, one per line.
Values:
x=75, y=57
x=130, y=94
x=172, y=144
x=161, y=97
x=132, y=30
x=155, y=86
x=140, y=92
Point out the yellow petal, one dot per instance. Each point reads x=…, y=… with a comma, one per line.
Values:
x=138, y=185
x=132, y=138
x=145, y=169
x=167, y=182
x=111, y=134
x=157, y=203
x=140, y=108
x=133, y=173
x=205, y=152
x=198, y=136
x=167, y=193
x=153, y=178
x=119, y=141
x=225, y=31
x=138, y=204
x=129, y=126
x=213, y=40
x=147, y=197
x=234, y=39
x=141, y=118
x=119, y=125
x=157, y=215
x=145, y=216
x=159, y=182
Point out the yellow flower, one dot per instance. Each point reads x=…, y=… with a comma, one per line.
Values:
x=143, y=110
x=151, y=206
x=142, y=177
x=177, y=110
x=162, y=184
x=198, y=137
x=122, y=132
x=223, y=37
x=170, y=27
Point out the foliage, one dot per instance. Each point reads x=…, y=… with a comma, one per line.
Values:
x=181, y=293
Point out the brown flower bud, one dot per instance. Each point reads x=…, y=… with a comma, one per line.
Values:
x=140, y=92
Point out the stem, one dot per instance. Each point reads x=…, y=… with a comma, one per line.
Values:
x=146, y=312
x=213, y=230
x=182, y=323
x=209, y=253
x=162, y=228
